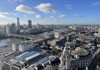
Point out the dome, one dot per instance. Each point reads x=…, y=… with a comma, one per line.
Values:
x=79, y=51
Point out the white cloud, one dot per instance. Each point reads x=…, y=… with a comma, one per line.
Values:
x=7, y=15
x=25, y=9
x=13, y=13
x=52, y=17
x=39, y=16
x=61, y=16
x=96, y=4
x=15, y=0
x=78, y=15
x=69, y=6
x=46, y=7
x=18, y=0
x=57, y=17
x=25, y=16
x=4, y=14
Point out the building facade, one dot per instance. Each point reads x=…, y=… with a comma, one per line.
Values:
x=74, y=59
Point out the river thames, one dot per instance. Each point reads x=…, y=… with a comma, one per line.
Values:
x=6, y=44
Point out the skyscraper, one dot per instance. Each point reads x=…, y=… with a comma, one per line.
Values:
x=7, y=29
x=29, y=23
x=13, y=28
x=18, y=26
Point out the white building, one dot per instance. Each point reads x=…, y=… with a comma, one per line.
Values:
x=7, y=29
x=25, y=46
x=98, y=30
x=98, y=34
x=15, y=47
x=57, y=35
x=1, y=65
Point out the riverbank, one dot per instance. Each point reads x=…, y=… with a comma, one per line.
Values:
x=6, y=44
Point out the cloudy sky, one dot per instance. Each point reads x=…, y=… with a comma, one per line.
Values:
x=50, y=11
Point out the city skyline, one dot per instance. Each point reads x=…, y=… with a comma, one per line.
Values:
x=50, y=11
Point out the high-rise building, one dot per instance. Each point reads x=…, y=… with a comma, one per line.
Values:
x=39, y=26
x=18, y=25
x=13, y=28
x=7, y=29
x=29, y=23
x=10, y=29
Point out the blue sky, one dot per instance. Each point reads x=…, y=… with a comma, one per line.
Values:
x=50, y=11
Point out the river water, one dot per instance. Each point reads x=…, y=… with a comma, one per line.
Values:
x=9, y=41
x=4, y=42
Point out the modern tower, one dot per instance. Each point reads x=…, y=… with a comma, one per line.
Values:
x=18, y=25
x=29, y=23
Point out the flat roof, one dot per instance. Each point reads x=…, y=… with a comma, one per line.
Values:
x=42, y=60
x=79, y=51
x=25, y=56
x=30, y=57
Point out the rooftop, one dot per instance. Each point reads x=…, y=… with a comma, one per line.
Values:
x=25, y=56
x=79, y=51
